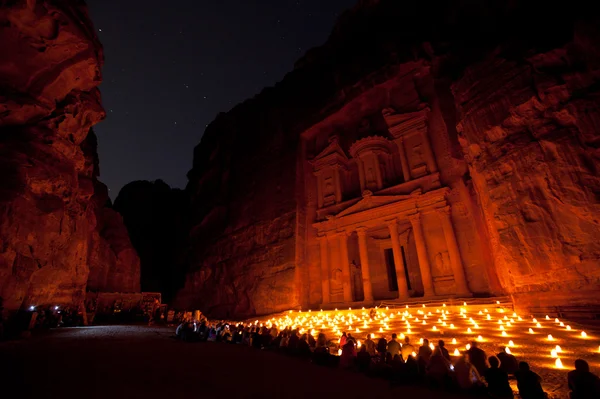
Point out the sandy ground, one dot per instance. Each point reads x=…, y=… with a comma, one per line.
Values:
x=143, y=362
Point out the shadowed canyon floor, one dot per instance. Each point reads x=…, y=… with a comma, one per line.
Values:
x=142, y=362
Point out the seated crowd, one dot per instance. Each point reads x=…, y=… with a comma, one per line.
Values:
x=401, y=363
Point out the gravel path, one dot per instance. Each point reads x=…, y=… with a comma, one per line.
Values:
x=143, y=362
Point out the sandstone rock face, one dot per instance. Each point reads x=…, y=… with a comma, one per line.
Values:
x=529, y=131
x=155, y=217
x=53, y=225
x=491, y=112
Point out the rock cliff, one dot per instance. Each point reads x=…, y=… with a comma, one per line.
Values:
x=514, y=85
x=55, y=227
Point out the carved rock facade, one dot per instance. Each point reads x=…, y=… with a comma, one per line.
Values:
x=408, y=157
x=56, y=230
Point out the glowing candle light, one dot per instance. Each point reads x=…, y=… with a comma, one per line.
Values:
x=431, y=346
x=519, y=318
x=556, y=320
x=358, y=343
x=480, y=312
x=469, y=330
x=561, y=324
x=547, y=318
x=421, y=341
x=538, y=325
x=558, y=364
x=485, y=310
x=468, y=346
x=511, y=343
x=424, y=322
x=408, y=331
x=479, y=338
x=380, y=329
x=489, y=317
x=507, y=350
x=558, y=349
x=568, y=328
x=504, y=334
x=414, y=354
x=501, y=328
x=452, y=326
x=401, y=336
x=550, y=338
x=456, y=352
x=454, y=341
x=434, y=328
x=535, y=320
x=583, y=334
x=514, y=314
x=339, y=352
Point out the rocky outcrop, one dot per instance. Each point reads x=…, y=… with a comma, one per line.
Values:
x=155, y=217
x=529, y=130
x=512, y=89
x=54, y=226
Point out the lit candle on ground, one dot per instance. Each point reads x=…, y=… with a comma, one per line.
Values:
x=431, y=346
x=454, y=341
x=504, y=334
x=507, y=350
x=550, y=338
x=553, y=353
x=480, y=338
x=530, y=331
x=468, y=346
x=569, y=328
x=558, y=349
x=558, y=364
x=510, y=343
x=583, y=334
x=456, y=352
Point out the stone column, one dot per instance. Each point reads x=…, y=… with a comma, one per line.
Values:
x=429, y=153
x=319, y=190
x=364, y=264
x=361, y=174
x=455, y=260
x=345, y=261
x=415, y=221
x=325, y=271
x=403, y=160
x=398, y=262
x=338, y=184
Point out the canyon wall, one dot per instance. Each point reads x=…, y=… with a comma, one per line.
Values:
x=512, y=86
x=56, y=230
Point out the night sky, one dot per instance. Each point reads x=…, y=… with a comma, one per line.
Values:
x=171, y=67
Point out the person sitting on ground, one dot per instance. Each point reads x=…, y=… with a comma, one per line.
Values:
x=382, y=347
x=439, y=368
x=303, y=347
x=372, y=313
x=497, y=380
x=478, y=358
x=321, y=341
x=274, y=332
x=423, y=356
x=582, y=383
x=407, y=349
x=348, y=355
x=393, y=347
x=441, y=349
x=179, y=330
x=399, y=374
x=529, y=383
x=508, y=362
x=370, y=345
x=294, y=339
x=285, y=339
x=363, y=359
x=467, y=377
x=343, y=339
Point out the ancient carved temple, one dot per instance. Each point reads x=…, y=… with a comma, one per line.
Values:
x=389, y=167
x=382, y=217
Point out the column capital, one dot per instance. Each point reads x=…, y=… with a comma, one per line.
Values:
x=391, y=222
x=444, y=210
x=361, y=231
x=414, y=218
x=342, y=233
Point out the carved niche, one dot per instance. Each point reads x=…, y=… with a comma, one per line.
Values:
x=374, y=158
x=327, y=167
x=409, y=131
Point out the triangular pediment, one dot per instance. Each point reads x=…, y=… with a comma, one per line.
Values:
x=333, y=153
x=370, y=201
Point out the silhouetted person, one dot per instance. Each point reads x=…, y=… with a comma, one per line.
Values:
x=407, y=349
x=348, y=355
x=370, y=345
x=423, y=356
x=441, y=348
x=393, y=347
x=508, y=362
x=478, y=358
x=382, y=346
x=529, y=383
x=438, y=369
x=582, y=383
x=303, y=346
x=363, y=359
x=467, y=376
x=497, y=379
x=343, y=340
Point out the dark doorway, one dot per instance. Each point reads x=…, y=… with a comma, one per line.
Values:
x=405, y=268
x=391, y=269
